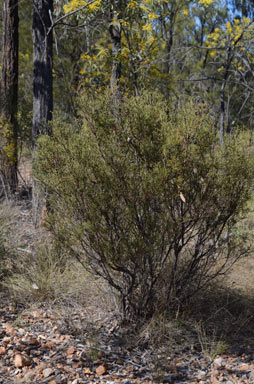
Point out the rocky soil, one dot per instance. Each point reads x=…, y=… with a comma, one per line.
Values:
x=38, y=346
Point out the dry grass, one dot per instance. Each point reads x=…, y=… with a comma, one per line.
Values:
x=37, y=271
x=242, y=276
x=221, y=315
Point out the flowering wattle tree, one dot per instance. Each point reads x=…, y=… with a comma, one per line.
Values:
x=230, y=48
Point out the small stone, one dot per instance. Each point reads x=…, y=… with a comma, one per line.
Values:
x=21, y=361
x=48, y=345
x=70, y=351
x=29, y=376
x=219, y=362
x=10, y=330
x=6, y=339
x=32, y=341
x=245, y=367
x=47, y=372
x=101, y=370
x=2, y=350
x=201, y=374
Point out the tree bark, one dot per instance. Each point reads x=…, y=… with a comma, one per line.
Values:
x=115, y=35
x=9, y=94
x=43, y=65
x=226, y=74
x=42, y=87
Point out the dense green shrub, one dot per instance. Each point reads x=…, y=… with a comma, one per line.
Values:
x=149, y=201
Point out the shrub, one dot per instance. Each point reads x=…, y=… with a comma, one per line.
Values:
x=150, y=201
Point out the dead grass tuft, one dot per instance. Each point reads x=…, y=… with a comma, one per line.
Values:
x=44, y=275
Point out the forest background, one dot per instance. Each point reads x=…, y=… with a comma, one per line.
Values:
x=69, y=63
x=201, y=49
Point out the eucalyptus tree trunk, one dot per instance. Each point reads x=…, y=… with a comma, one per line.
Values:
x=42, y=86
x=115, y=35
x=226, y=74
x=9, y=95
x=43, y=64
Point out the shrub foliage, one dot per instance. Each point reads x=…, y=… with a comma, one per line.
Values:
x=149, y=200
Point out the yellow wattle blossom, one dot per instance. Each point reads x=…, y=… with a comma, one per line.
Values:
x=246, y=21
x=152, y=16
x=205, y=3
x=73, y=4
x=124, y=23
x=147, y=27
x=229, y=27
x=132, y=4
x=85, y=56
x=94, y=6
x=82, y=71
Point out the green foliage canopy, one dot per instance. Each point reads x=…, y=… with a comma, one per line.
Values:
x=149, y=201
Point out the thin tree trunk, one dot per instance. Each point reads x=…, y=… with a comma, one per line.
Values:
x=115, y=34
x=42, y=87
x=9, y=94
x=43, y=64
x=222, y=93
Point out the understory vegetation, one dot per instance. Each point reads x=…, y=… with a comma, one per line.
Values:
x=147, y=211
x=149, y=200
x=127, y=174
